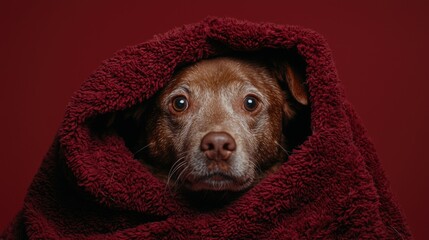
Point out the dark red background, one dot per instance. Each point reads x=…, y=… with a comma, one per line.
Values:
x=49, y=47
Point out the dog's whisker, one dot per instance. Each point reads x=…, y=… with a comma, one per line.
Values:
x=174, y=170
x=180, y=184
x=174, y=164
x=184, y=153
x=178, y=164
x=282, y=148
x=141, y=149
x=256, y=167
x=180, y=174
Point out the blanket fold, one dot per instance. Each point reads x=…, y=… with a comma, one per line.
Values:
x=331, y=186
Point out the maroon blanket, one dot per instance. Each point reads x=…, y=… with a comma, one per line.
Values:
x=332, y=186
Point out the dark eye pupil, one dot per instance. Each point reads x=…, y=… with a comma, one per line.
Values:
x=250, y=103
x=180, y=104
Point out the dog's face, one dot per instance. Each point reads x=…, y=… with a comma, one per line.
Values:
x=218, y=125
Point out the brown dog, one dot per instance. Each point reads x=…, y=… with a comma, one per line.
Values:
x=219, y=125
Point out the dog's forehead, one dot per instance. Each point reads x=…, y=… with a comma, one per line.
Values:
x=219, y=74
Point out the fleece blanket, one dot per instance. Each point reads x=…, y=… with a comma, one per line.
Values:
x=331, y=187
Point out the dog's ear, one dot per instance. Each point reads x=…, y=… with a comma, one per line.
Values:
x=289, y=70
x=295, y=82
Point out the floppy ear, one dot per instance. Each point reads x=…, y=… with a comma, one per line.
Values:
x=295, y=82
x=289, y=70
x=290, y=73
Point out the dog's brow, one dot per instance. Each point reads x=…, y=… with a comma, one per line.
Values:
x=251, y=89
x=177, y=91
x=181, y=88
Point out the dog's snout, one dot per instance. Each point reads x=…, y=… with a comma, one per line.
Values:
x=218, y=145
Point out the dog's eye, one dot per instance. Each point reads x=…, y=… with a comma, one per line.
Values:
x=250, y=103
x=180, y=103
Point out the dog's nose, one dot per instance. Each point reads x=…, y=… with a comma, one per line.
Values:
x=218, y=145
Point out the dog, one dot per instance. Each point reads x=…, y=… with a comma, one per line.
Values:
x=220, y=124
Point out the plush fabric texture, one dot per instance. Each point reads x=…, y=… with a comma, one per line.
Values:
x=332, y=186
